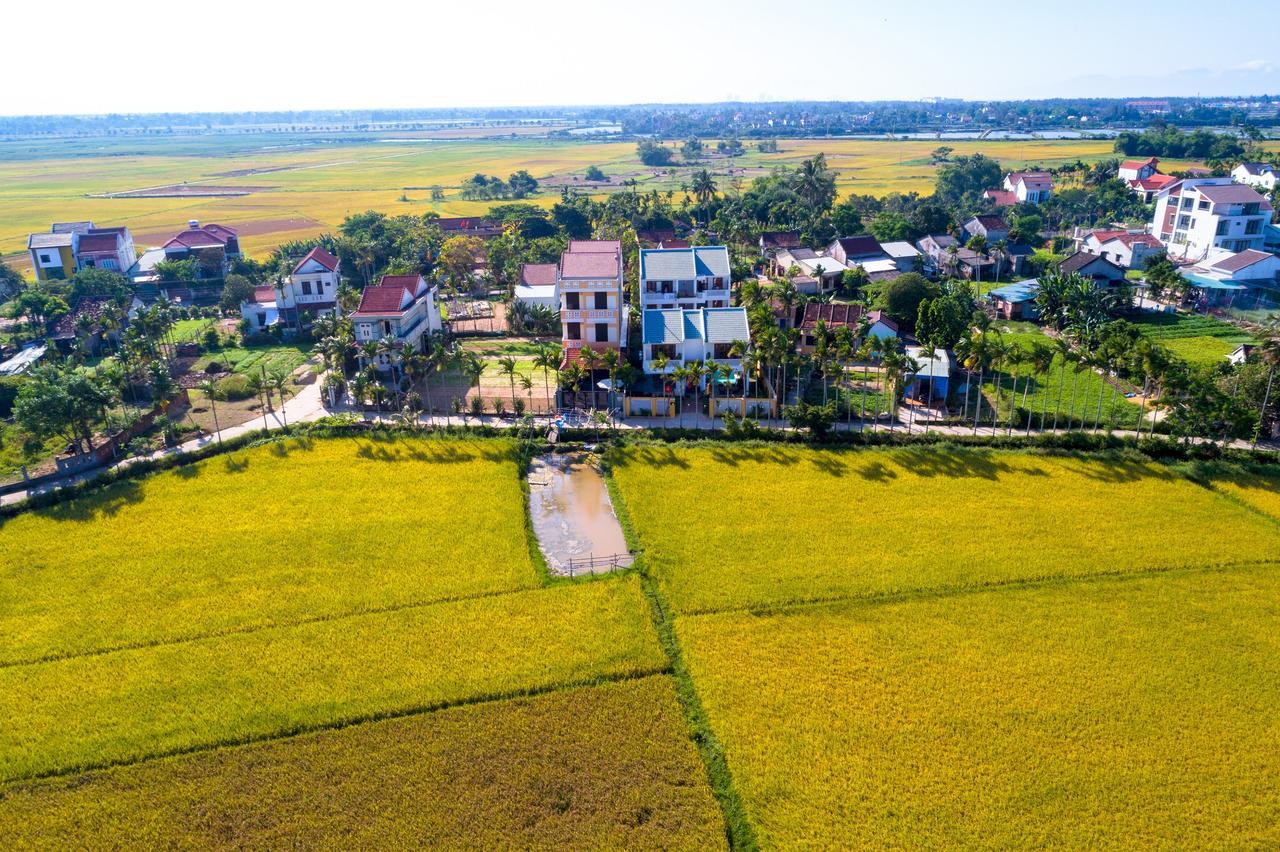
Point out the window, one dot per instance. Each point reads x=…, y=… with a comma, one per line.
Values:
x=44, y=258
x=602, y=332
x=571, y=302
x=1204, y=204
x=1222, y=227
x=386, y=326
x=668, y=349
x=1253, y=227
x=722, y=351
x=262, y=319
x=1187, y=202
x=306, y=288
x=602, y=301
x=573, y=331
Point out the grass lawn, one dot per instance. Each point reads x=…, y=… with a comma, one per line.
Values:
x=605, y=766
x=190, y=330
x=1074, y=395
x=90, y=711
x=285, y=357
x=1134, y=712
x=854, y=523
x=262, y=537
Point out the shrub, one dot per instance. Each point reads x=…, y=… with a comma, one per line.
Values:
x=233, y=387
x=215, y=367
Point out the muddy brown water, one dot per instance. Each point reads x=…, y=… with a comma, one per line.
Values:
x=573, y=517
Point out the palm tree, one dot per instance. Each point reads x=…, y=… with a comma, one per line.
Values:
x=507, y=367
x=278, y=380
x=208, y=387
x=259, y=388
x=704, y=189
x=893, y=363
x=999, y=250
x=1063, y=351
x=660, y=362
x=680, y=378
x=697, y=372
x=526, y=384
x=547, y=359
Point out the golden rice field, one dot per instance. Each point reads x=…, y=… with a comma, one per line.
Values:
x=1260, y=491
x=607, y=766
x=788, y=525
x=293, y=531
x=303, y=188
x=124, y=706
x=1139, y=712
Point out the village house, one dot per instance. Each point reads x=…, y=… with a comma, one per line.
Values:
x=697, y=277
x=773, y=241
x=654, y=237
x=590, y=284
x=1195, y=215
x=850, y=250
x=539, y=285
x=468, y=226
x=1144, y=177
x=684, y=336
x=944, y=255
x=931, y=381
x=212, y=246
x=1099, y=269
x=991, y=228
x=309, y=291
x=1127, y=249
x=72, y=246
x=1262, y=176
x=1029, y=187
x=905, y=257
x=1016, y=301
x=1249, y=278
x=261, y=311
x=833, y=317
x=401, y=307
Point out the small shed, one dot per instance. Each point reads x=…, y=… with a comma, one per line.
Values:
x=1016, y=301
x=933, y=379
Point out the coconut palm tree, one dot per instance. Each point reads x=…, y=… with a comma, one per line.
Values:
x=1063, y=351
x=257, y=385
x=1040, y=358
x=680, y=378
x=507, y=367
x=209, y=387
x=278, y=380
x=548, y=358
x=704, y=189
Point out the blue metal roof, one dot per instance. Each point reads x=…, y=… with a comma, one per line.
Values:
x=1022, y=291
x=715, y=325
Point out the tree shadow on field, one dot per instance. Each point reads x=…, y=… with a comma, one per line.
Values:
x=282, y=449
x=188, y=471
x=651, y=457
x=235, y=465
x=102, y=504
x=954, y=464
x=433, y=452
x=1117, y=471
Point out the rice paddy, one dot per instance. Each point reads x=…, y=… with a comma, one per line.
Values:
x=299, y=187
x=289, y=532
x=606, y=766
x=792, y=524
x=1136, y=712
x=1198, y=340
x=346, y=642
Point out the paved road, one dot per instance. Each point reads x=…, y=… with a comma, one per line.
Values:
x=309, y=405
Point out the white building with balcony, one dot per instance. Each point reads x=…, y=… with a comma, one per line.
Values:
x=401, y=307
x=686, y=278
x=592, y=312
x=1198, y=214
x=310, y=290
x=687, y=335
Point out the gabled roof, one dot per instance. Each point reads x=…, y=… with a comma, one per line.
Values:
x=264, y=295
x=384, y=299
x=39, y=241
x=859, y=246
x=1232, y=193
x=990, y=223
x=1081, y=259
x=1036, y=180
x=595, y=246
x=714, y=325
x=1138, y=164
x=198, y=238
x=320, y=256
x=589, y=264
x=1241, y=260
x=1002, y=197
x=831, y=314
x=1257, y=169
x=538, y=274
x=1156, y=181
x=900, y=249
x=70, y=227
x=780, y=239
x=684, y=264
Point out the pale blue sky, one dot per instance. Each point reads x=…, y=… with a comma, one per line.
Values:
x=147, y=55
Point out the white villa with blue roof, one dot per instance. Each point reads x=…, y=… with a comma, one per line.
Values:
x=685, y=336
x=697, y=277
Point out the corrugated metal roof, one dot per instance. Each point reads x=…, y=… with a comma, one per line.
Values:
x=39, y=241
x=664, y=326
x=684, y=264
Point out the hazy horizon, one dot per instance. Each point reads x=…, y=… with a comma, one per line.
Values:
x=257, y=57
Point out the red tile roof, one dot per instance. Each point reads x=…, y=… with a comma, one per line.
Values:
x=992, y=223
x=1002, y=197
x=674, y=244
x=382, y=299
x=577, y=264
x=1137, y=164
x=538, y=274
x=264, y=294
x=857, y=246
x=1156, y=181
x=595, y=245
x=408, y=281
x=780, y=239
x=224, y=231
x=832, y=315
x=320, y=256
x=573, y=354
x=198, y=238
